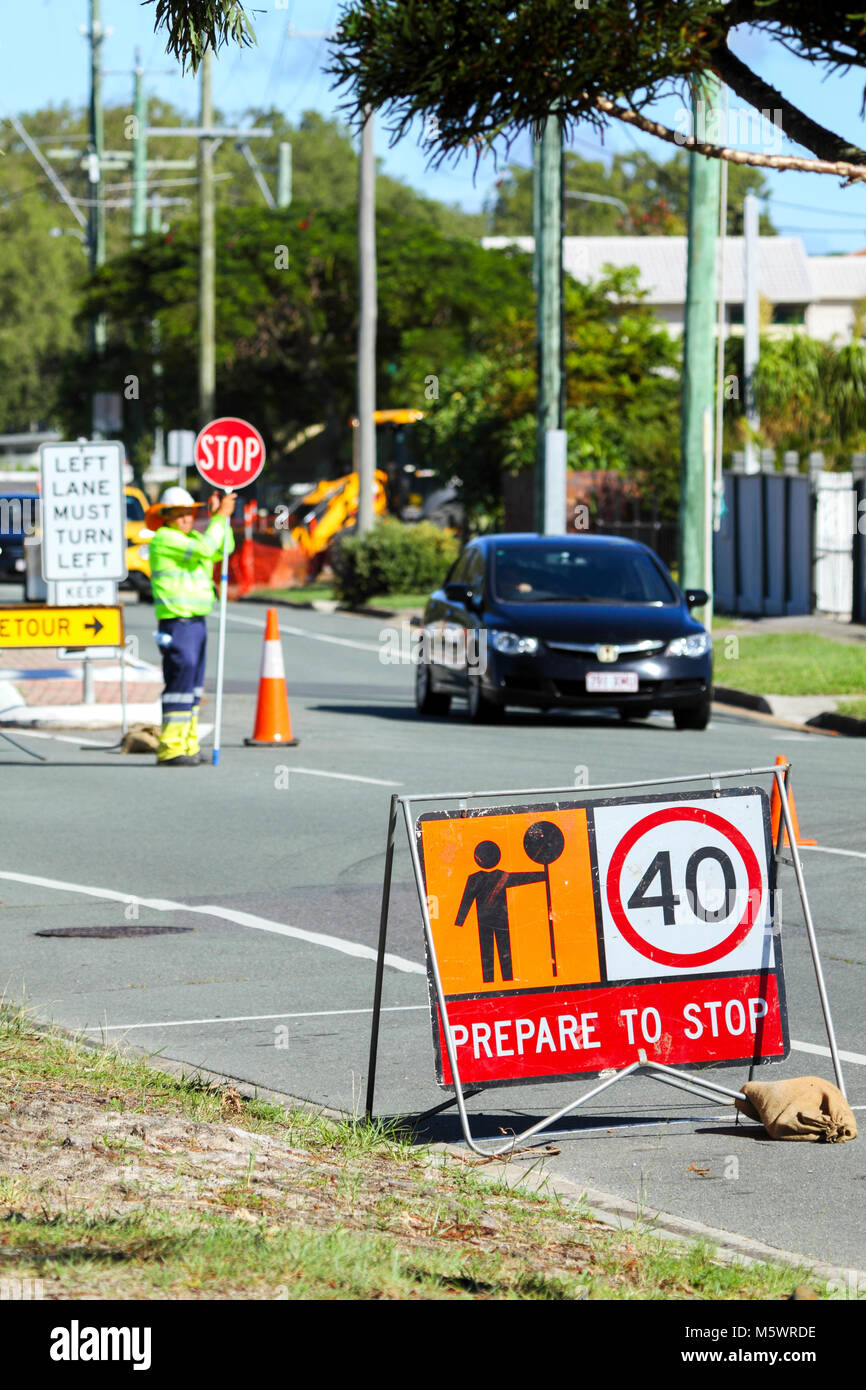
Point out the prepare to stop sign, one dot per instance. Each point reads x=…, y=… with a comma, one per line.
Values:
x=570, y=939
x=229, y=453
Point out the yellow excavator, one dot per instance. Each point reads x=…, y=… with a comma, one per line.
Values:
x=332, y=506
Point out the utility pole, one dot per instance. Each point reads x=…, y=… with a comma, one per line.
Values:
x=139, y=153
x=751, y=327
x=207, y=256
x=208, y=136
x=547, y=220
x=96, y=150
x=695, y=560
x=721, y=335
x=284, y=175
x=366, y=325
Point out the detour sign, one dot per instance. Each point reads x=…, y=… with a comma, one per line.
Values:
x=570, y=939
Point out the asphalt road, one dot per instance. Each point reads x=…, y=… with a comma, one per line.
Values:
x=274, y=862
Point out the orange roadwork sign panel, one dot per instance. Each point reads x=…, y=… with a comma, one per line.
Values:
x=512, y=889
x=572, y=939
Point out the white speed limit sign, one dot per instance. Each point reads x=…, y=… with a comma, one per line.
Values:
x=684, y=885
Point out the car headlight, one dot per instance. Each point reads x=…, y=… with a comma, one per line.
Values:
x=144, y=552
x=698, y=644
x=511, y=645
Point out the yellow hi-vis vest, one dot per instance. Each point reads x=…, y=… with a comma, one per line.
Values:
x=181, y=569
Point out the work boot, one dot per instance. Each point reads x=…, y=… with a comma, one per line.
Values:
x=172, y=742
x=180, y=761
x=192, y=747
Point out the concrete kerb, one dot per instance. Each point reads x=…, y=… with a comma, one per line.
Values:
x=605, y=1207
x=774, y=720
x=619, y=1212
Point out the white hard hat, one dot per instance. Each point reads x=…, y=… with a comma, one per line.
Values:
x=177, y=497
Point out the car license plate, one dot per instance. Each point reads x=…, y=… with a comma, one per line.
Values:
x=611, y=682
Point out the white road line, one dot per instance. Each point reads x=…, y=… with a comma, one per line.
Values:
x=242, y=919
x=251, y=1018
x=63, y=738
x=343, y=776
x=823, y=849
x=816, y=1050
x=287, y=629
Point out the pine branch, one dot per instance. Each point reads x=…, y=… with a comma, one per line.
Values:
x=796, y=124
x=851, y=173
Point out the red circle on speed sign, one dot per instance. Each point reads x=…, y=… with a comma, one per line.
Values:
x=229, y=453
x=753, y=873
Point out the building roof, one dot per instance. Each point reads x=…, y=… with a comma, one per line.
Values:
x=838, y=277
x=783, y=266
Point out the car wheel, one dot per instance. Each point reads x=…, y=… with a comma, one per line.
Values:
x=693, y=716
x=635, y=712
x=427, y=700
x=482, y=710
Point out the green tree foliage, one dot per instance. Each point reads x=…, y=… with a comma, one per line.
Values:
x=656, y=195
x=190, y=26
x=811, y=396
x=42, y=276
x=286, y=317
x=491, y=69
x=393, y=559
x=622, y=398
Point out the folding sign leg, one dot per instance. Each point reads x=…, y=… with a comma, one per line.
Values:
x=21, y=748
x=380, y=958
x=782, y=784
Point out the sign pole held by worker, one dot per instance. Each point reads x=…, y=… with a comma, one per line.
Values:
x=229, y=454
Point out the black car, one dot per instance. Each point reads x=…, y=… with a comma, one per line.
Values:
x=576, y=621
x=19, y=518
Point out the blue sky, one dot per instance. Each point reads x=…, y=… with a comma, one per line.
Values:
x=44, y=61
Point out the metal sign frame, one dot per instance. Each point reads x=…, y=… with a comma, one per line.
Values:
x=707, y=1090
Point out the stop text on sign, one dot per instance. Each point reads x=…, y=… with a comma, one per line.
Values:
x=570, y=939
x=229, y=452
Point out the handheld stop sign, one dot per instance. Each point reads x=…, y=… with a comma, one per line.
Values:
x=229, y=454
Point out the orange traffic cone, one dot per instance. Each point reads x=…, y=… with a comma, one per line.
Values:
x=273, y=724
x=776, y=813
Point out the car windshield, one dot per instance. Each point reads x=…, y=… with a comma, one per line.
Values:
x=134, y=509
x=565, y=574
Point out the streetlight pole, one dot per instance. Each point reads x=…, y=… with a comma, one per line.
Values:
x=696, y=488
x=207, y=254
x=547, y=224
x=366, y=325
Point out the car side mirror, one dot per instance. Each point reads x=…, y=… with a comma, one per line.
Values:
x=459, y=593
x=696, y=598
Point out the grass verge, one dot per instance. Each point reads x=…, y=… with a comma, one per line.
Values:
x=795, y=663
x=125, y=1182
x=856, y=709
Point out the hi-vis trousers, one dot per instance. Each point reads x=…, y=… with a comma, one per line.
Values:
x=183, y=644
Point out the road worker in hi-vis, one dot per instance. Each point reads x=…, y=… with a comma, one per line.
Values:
x=181, y=570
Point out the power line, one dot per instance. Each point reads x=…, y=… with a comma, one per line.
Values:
x=803, y=207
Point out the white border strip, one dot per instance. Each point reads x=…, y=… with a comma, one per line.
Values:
x=226, y=914
x=249, y=1018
